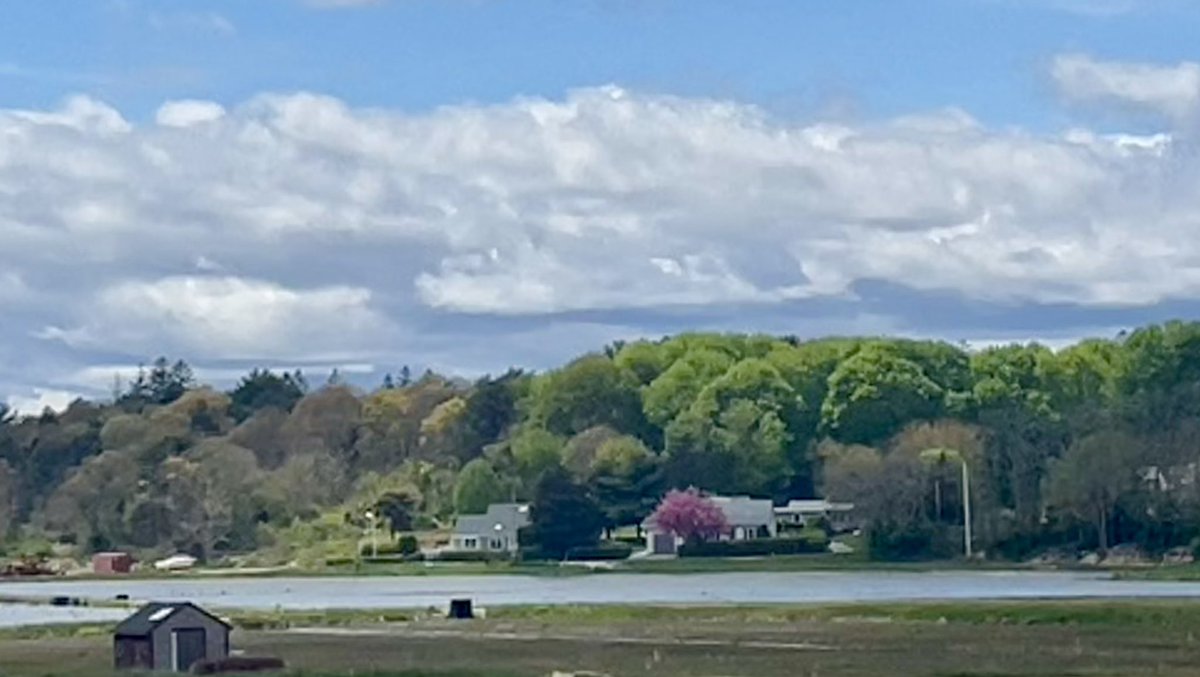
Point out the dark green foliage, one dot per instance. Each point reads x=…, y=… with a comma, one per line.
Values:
x=165, y=383
x=471, y=556
x=563, y=514
x=491, y=409
x=397, y=510
x=262, y=388
x=601, y=552
x=808, y=543
x=407, y=545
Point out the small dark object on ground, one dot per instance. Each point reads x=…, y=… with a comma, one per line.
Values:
x=65, y=601
x=122, y=597
x=461, y=609
x=237, y=664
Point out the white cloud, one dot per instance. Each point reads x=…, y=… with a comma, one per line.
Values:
x=229, y=318
x=1173, y=91
x=297, y=228
x=40, y=400
x=188, y=112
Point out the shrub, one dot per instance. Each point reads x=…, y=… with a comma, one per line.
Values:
x=408, y=545
x=601, y=552
x=914, y=541
x=607, y=551
x=808, y=542
x=470, y=556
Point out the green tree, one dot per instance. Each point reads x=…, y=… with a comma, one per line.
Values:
x=588, y=392
x=737, y=433
x=627, y=481
x=535, y=451
x=262, y=389
x=563, y=514
x=478, y=487
x=491, y=410
x=875, y=393
x=581, y=451
x=642, y=360
x=673, y=391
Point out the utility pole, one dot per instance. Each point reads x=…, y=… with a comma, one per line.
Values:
x=966, y=482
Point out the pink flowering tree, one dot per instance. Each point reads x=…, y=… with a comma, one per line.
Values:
x=690, y=516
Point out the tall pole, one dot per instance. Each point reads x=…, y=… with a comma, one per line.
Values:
x=374, y=542
x=966, y=482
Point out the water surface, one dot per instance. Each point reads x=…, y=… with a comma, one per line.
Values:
x=610, y=588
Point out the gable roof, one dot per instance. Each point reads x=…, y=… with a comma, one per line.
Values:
x=744, y=511
x=144, y=620
x=511, y=516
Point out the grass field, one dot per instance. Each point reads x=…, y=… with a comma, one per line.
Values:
x=992, y=639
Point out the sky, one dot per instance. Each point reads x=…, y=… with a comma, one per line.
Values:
x=469, y=185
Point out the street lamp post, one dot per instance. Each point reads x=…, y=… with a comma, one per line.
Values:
x=374, y=542
x=943, y=455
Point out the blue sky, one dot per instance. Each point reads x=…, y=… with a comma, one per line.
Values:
x=469, y=184
x=799, y=57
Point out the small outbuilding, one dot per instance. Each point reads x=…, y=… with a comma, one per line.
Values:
x=112, y=563
x=169, y=636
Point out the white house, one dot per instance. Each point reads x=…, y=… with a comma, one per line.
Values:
x=747, y=518
x=494, y=531
x=801, y=513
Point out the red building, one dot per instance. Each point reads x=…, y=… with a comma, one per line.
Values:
x=111, y=563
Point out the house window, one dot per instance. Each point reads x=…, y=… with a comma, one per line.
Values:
x=470, y=543
x=497, y=544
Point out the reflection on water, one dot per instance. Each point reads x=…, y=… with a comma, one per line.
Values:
x=732, y=588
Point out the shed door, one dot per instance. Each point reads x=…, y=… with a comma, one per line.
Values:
x=664, y=543
x=189, y=647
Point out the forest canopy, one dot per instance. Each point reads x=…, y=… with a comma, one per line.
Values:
x=1087, y=446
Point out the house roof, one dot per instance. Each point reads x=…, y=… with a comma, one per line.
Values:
x=144, y=620
x=740, y=511
x=813, y=506
x=510, y=516
x=746, y=511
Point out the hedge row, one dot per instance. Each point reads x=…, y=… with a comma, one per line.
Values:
x=469, y=556
x=407, y=545
x=758, y=547
x=596, y=553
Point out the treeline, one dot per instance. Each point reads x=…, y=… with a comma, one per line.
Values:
x=1085, y=447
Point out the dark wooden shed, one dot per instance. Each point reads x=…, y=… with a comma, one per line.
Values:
x=169, y=636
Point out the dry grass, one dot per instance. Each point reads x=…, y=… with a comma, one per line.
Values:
x=712, y=642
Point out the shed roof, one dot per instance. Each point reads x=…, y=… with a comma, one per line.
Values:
x=143, y=621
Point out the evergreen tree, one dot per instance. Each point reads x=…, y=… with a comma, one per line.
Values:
x=564, y=514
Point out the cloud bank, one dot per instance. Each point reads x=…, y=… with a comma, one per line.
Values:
x=295, y=227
